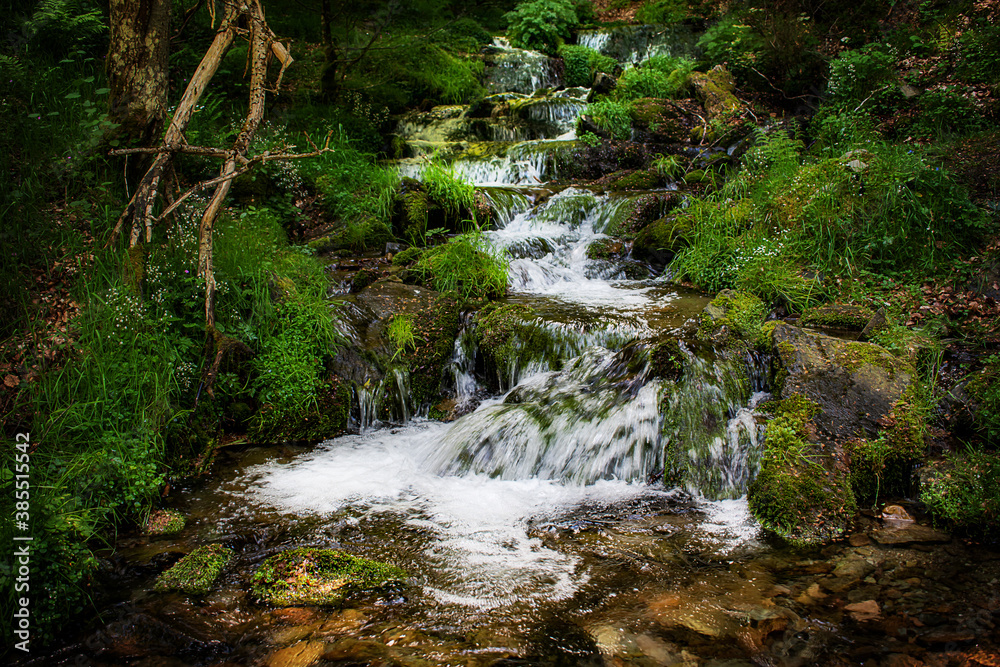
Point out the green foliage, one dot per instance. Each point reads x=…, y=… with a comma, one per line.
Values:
x=542, y=25
x=659, y=77
x=886, y=210
x=662, y=11
x=467, y=264
x=612, y=116
x=408, y=70
x=964, y=492
x=449, y=191
x=860, y=75
x=583, y=63
x=469, y=28
x=58, y=27
x=733, y=43
x=882, y=467
x=946, y=111
x=985, y=387
x=980, y=54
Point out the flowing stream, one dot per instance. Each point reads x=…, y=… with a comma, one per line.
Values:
x=592, y=511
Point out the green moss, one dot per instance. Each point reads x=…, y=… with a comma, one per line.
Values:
x=434, y=332
x=838, y=316
x=882, y=467
x=742, y=313
x=666, y=360
x=406, y=257
x=799, y=493
x=605, y=249
x=164, y=522
x=764, y=340
x=318, y=577
x=195, y=573
x=855, y=355
x=509, y=339
x=661, y=239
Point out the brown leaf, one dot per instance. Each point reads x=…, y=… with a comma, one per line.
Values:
x=11, y=381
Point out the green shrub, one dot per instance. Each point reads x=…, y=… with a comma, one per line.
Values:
x=980, y=54
x=732, y=43
x=470, y=29
x=964, y=492
x=660, y=77
x=542, y=25
x=612, y=116
x=946, y=111
x=985, y=387
x=862, y=76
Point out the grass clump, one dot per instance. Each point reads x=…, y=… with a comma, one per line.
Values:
x=582, y=64
x=195, y=573
x=318, y=577
x=985, y=386
x=658, y=77
x=401, y=335
x=611, y=116
x=467, y=264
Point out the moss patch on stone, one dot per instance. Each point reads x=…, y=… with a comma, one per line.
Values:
x=881, y=467
x=838, y=316
x=164, y=522
x=435, y=330
x=509, y=338
x=741, y=313
x=195, y=573
x=659, y=241
x=801, y=493
x=605, y=249
x=318, y=577
x=326, y=418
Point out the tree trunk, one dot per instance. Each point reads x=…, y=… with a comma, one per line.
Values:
x=137, y=67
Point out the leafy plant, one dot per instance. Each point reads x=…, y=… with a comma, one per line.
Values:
x=612, y=116
x=964, y=492
x=542, y=25
x=583, y=63
x=662, y=11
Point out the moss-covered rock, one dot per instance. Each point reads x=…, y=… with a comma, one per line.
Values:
x=631, y=179
x=661, y=121
x=195, y=573
x=509, y=337
x=164, y=522
x=838, y=316
x=407, y=257
x=606, y=249
x=733, y=314
x=802, y=492
x=326, y=418
x=854, y=384
x=716, y=90
x=659, y=241
x=318, y=577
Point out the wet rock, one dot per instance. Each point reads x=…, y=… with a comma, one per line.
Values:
x=356, y=650
x=859, y=540
x=896, y=515
x=661, y=121
x=854, y=384
x=877, y=323
x=702, y=617
x=318, y=576
x=302, y=654
x=346, y=622
x=908, y=533
x=603, y=84
x=864, y=611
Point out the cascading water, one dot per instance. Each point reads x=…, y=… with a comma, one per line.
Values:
x=584, y=419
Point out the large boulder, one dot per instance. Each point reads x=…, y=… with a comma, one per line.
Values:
x=853, y=384
x=662, y=121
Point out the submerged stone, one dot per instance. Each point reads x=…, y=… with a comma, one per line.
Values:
x=318, y=576
x=195, y=573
